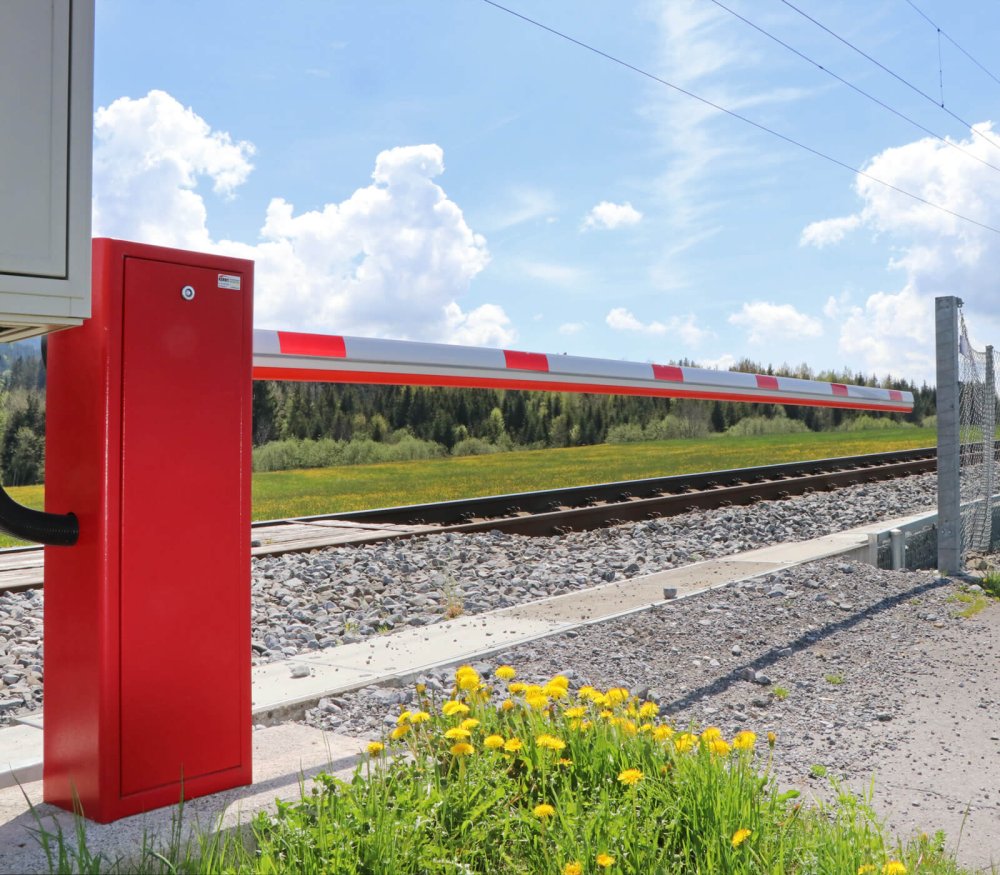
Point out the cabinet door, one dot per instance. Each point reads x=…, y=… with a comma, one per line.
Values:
x=185, y=531
x=34, y=152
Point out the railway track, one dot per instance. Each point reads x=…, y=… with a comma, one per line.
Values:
x=548, y=512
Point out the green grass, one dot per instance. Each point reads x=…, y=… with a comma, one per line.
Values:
x=278, y=494
x=329, y=490
x=835, y=679
x=780, y=693
x=510, y=779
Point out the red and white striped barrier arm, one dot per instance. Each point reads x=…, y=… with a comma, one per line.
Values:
x=290, y=355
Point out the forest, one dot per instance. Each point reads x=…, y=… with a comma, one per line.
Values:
x=310, y=424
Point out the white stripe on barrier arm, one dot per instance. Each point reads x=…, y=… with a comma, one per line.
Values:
x=289, y=355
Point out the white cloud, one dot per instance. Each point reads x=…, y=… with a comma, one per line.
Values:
x=621, y=319
x=723, y=363
x=608, y=215
x=937, y=253
x=820, y=234
x=765, y=321
x=149, y=156
x=571, y=328
x=393, y=259
x=683, y=327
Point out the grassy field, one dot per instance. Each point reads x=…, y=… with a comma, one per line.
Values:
x=329, y=490
x=279, y=494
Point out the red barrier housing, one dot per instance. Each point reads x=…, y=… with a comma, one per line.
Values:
x=147, y=618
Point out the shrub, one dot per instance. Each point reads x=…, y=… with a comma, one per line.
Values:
x=865, y=422
x=474, y=446
x=756, y=425
x=325, y=453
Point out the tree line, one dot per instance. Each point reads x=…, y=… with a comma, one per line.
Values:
x=453, y=420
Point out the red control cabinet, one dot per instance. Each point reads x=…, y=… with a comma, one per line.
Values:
x=147, y=617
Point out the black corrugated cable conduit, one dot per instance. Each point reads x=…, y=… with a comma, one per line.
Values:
x=57, y=529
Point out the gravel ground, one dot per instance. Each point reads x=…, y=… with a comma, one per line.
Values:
x=304, y=602
x=819, y=653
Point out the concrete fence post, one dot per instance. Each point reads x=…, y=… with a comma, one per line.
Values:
x=949, y=524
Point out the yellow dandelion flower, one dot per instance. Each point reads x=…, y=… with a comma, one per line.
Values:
x=601, y=700
x=532, y=690
x=560, y=681
x=605, y=861
x=550, y=742
x=662, y=732
x=607, y=715
x=632, y=711
x=505, y=672
x=866, y=868
x=451, y=708
x=646, y=728
x=685, y=741
x=719, y=746
x=507, y=705
x=711, y=733
x=399, y=732
x=512, y=745
x=744, y=740
x=574, y=867
x=617, y=695
x=649, y=709
x=469, y=723
x=544, y=810
x=462, y=748
x=555, y=691
x=630, y=777
x=538, y=701
x=493, y=742
x=419, y=717
x=375, y=747
x=771, y=739
x=403, y=718
x=740, y=836
x=627, y=726
x=467, y=678
x=517, y=687
x=562, y=761
x=586, y=691
x=585, y=725
x=457, y=733
x=421, y=689
x=894, y=867
x=575, y=712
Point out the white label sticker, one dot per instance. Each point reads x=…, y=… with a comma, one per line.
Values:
x=229, y=281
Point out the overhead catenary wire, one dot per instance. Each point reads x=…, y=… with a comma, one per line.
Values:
x=733, y=114
x=941, y=32
x=892, y=73
x=854, y=87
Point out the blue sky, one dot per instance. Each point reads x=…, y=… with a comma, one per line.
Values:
x=445, y=171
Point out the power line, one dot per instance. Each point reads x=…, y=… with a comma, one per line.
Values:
x=737, y=115
x=892, y=73
x=941, y=33
x=854, y=87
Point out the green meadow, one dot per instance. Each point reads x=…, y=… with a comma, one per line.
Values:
x=278, y=494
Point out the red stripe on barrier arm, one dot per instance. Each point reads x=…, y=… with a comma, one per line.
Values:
x=839, y=389
x=766, y=382
x=324, y=345
x=526, y=361
x=668, y=372
x=895, y=395
x=310, y=375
